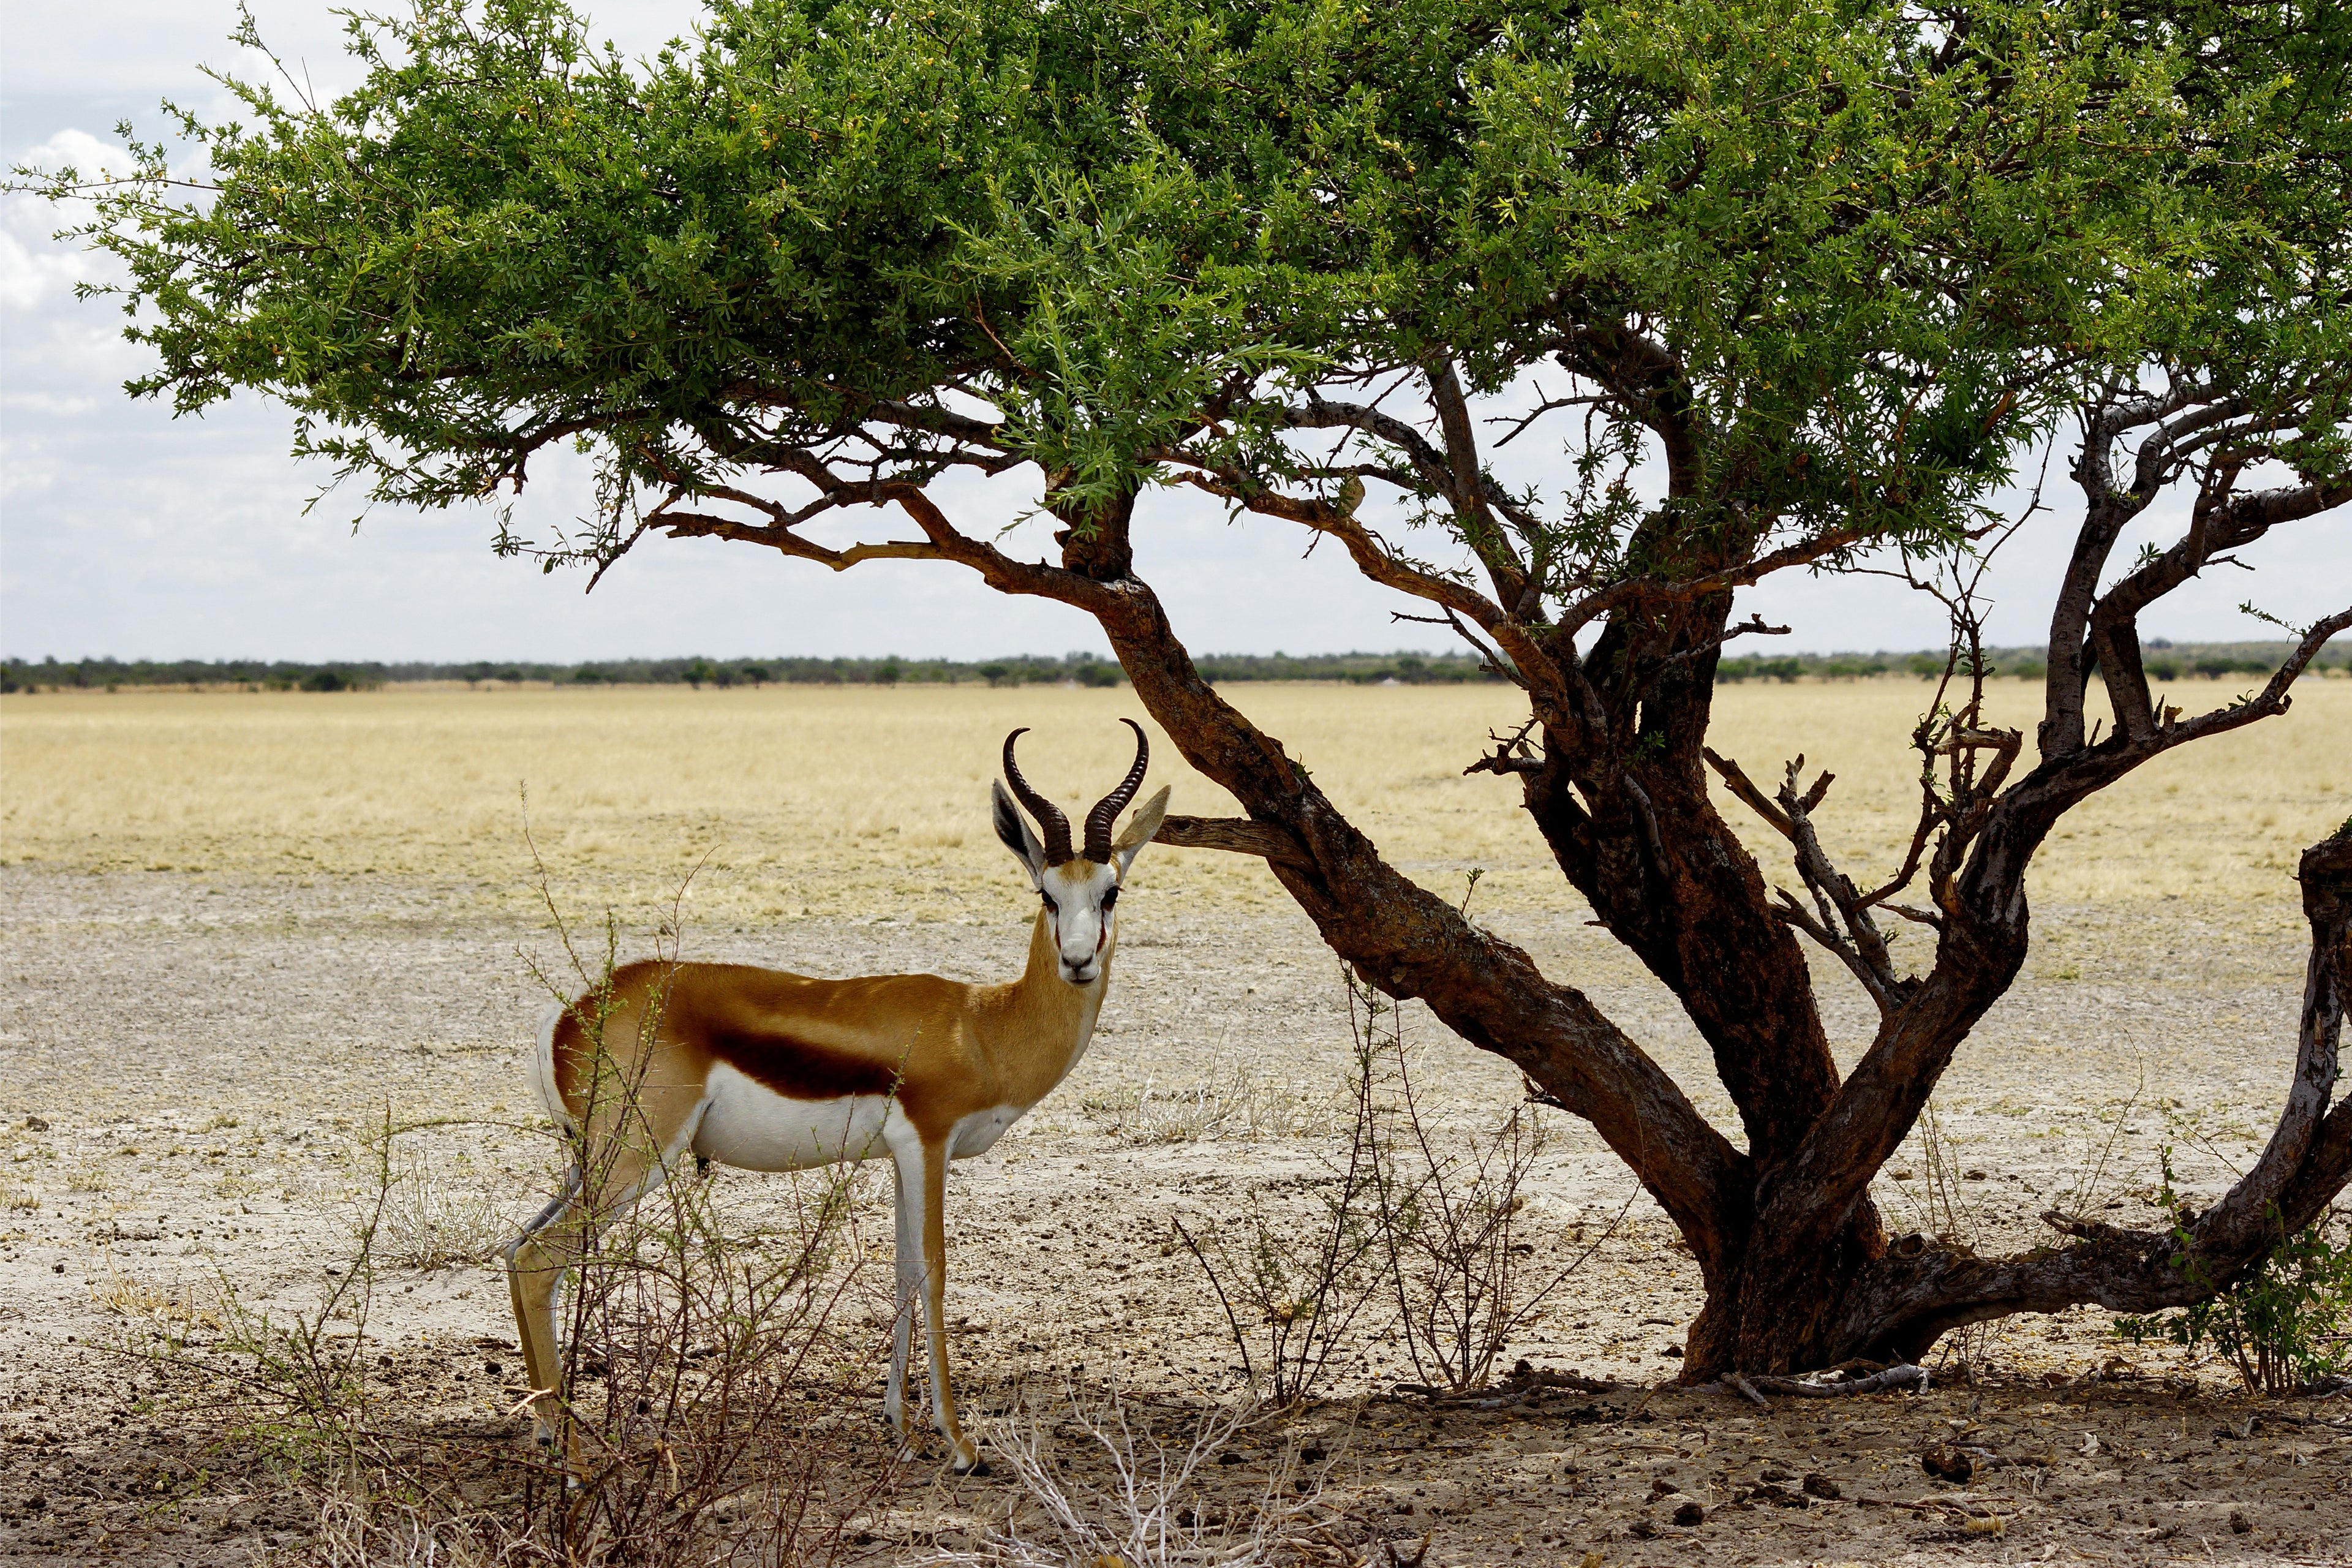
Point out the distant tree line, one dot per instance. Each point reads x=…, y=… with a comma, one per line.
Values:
x=2166, y=661
x=700, y=670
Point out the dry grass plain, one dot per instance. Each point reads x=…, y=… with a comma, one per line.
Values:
x=856, y=801
x=235, y=926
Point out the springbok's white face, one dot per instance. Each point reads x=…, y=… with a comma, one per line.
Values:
x=1080, y=890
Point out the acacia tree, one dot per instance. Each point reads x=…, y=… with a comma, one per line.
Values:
x=1805, y=277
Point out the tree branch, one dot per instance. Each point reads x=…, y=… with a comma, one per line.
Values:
x=1469, y=486
x=1237, y=836
x=1844, y=926
x=777, y=535
x=1653, y=590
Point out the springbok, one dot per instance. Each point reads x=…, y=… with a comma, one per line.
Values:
x=767, y=1070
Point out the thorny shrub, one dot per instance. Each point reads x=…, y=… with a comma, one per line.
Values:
x=2281, y=1324
x=713, y=1377
x=1435, y=1229
x=1452, y=1221
x=1297, y=1284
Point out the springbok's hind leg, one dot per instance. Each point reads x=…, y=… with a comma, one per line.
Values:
x=535, y=1266
x=560, y=1240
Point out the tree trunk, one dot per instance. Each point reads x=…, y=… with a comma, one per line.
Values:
x=1799, y=1273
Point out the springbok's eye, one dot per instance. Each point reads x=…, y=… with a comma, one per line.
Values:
x=1051, y=907
x=1110, y=898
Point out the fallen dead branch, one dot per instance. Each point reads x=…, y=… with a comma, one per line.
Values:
x=1525, y=1385
x=1756, y=1388
x=1905, y=1376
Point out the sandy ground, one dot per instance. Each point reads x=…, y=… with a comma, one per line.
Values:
x=186, y=1062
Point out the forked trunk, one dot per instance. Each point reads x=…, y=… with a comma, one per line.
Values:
x=1778, y=1312
x=1799, y=1272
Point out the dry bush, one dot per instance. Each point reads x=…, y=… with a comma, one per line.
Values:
x=720, y=1389
x=2088, y=1189
x=1294, y=1272
x=1934, y=1184
x=1433, y=1224
x=166, y=1313
x=1451, y=1215
x=356, y=1530
x=1232, y=1104
x=238, y=1184
x=425, y=1221
x=714, y=1385
x=1452, y=1230
x=1149, y=1511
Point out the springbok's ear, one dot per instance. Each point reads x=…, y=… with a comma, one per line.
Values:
x=1139, y=829
x=1012, y=830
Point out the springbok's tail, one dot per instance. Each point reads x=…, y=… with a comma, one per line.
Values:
x=542, y=1071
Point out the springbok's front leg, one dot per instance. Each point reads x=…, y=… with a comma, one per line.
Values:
x=907, y=1261
x=921, y=1170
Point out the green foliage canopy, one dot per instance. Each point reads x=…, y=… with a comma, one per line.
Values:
x=1833, y=262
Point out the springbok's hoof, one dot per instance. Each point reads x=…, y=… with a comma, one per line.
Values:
x=979, y=1467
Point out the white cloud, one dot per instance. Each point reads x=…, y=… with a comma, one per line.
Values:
x=35, y=269
x=27, y=276
x=94, y=157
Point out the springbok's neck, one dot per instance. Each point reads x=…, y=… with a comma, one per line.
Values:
x=1053, y=1018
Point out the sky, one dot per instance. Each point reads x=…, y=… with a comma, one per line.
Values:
x=125, y=532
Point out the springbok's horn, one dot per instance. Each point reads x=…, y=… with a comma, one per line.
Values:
x=1106, y=812
x=1049, y=815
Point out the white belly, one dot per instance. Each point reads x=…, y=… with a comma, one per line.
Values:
x=977, y=1133
x=753, y=1128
